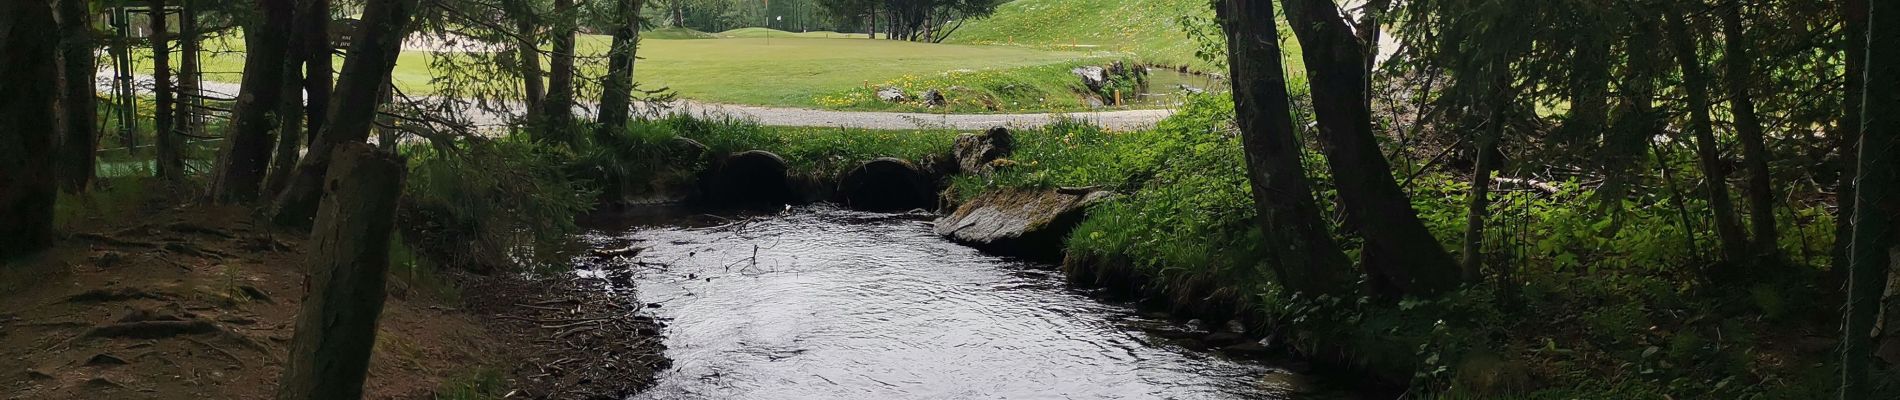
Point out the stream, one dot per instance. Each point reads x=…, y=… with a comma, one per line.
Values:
x=822, y=303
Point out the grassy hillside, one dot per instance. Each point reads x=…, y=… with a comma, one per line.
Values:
x=1147, y=29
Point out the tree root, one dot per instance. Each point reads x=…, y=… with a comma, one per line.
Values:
x=103, y=239
x=193, y=250
x=187, y=227
x=117, y=294
x=152, y=329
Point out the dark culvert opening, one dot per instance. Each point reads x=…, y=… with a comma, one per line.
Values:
x=752, y=179
x=886, y=184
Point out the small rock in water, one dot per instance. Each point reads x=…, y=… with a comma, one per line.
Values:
x=1290, y=382
x=1223, y=339
x=653, y=305
x=1248, y=349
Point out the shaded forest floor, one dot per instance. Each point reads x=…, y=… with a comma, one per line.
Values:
x=199, y=301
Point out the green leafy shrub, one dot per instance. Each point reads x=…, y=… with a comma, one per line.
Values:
x=493, y=204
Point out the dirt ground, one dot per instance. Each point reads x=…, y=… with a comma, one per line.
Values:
x=199, y=302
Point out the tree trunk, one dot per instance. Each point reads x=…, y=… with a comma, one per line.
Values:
x=28, y=124
x=1401, y=257
x=289, y=132
x=171, y=159
x=372, y=54
x=245, y=155
x=616, y=94
x=1634, y=127
x=1695, y=87
x=1877, y=199
x=560, y=100
x=1479, y=199
x=528, y=54
x=1855, y=17
x=190, y=75
x=125, y=111
x=1589, y=95
x=1739, y=66
x=1305, y=257
x=349, y=261
x=313, y=26
x=385, y=125
x=79, y=104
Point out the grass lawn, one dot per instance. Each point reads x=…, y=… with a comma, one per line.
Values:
x=792, y=70
x=1147, y=29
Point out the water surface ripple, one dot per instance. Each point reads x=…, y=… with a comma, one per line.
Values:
x=820, y=303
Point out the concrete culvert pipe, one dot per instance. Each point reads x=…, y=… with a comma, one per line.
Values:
x=752, y=178
x=886, y=184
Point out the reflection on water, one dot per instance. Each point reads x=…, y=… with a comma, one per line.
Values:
x=820, y=303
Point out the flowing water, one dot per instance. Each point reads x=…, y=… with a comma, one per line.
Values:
x=822, y=303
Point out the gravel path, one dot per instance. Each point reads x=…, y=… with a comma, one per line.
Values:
x=791, y=116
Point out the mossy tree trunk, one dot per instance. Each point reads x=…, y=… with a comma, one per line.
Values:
x=1305, y=256
x=28, y=39
x=1401, y=257
x=78, y=107
x=1877, y=200
x=366, y=70
x=245, y=157
x=348, y=266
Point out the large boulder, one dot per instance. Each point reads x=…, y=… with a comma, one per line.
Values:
x=974, y=152
x=1092, y=76
x=1027, y=223
x=886, y=184
x=751, y=178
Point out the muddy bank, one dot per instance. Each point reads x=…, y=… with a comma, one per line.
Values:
x=195, y=301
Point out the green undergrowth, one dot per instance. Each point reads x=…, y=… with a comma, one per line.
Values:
x=1598, y=304
x=484, y=383
x=819, y=150
x=488, y=205
x=1039, y=88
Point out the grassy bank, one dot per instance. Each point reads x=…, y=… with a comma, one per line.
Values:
x=1598, y=307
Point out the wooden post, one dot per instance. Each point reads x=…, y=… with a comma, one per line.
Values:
x=336, y=329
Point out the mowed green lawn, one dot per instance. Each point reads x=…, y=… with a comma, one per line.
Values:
x=780, y=71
